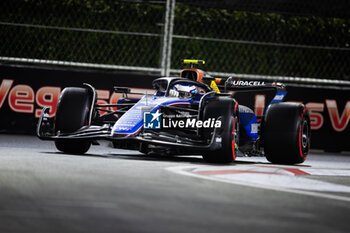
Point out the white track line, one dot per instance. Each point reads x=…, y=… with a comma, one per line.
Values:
x=184, y=170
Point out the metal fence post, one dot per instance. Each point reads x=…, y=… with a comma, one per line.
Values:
x=170, y=40
x=167, y=37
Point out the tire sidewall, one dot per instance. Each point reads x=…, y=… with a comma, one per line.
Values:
x=73, y=111
x=282, y=133
x=225, y=109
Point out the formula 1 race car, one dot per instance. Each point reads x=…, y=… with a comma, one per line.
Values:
x=186, y=115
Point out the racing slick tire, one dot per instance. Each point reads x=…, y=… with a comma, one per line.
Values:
x=226, y=109
x=72, y=114
x=286, y=133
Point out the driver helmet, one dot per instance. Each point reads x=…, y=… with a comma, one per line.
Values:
x=185, y=91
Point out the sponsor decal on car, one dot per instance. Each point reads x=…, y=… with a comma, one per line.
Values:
x=248, y=83
x=254, y=128
x=181, y=121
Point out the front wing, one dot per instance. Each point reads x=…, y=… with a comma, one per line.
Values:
x=45, y=131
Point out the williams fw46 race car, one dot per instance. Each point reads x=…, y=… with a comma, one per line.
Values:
x=187, y=115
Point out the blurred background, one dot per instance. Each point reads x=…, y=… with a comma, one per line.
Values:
x=266, y=38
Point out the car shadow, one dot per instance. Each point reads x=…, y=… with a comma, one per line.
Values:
x=157, y=157
x=190, y=159
x=78, y=155
x=195, y=159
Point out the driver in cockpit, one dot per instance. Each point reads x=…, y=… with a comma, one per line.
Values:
x=184, y=91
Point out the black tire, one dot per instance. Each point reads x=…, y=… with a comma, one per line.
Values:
x=72, y=114
x=286, y=133
x=226, y=108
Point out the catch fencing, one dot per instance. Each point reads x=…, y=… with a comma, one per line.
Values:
x=153, y=37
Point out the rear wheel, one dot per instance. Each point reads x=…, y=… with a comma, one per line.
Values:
x=286, y=133
x=226, y=109
x=72, y=113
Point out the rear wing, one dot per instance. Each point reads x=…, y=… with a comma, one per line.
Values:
x=239, y=85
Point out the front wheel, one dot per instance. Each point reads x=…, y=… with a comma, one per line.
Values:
x=72, y=113
x=286, y=133
x=225, y=109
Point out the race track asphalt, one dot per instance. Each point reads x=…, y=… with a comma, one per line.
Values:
x=110, y=190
